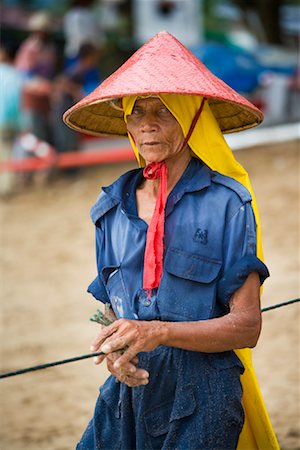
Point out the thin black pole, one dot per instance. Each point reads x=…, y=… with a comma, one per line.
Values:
x=279, y=305
x=91, y=355
x=52, y=364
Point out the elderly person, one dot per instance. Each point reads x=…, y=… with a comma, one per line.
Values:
x=179, y=260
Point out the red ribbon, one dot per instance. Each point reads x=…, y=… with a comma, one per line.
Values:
x=153, y=258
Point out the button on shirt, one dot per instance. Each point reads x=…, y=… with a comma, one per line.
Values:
x=209, y=247
x=192, y=398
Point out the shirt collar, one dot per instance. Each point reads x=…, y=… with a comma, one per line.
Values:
x=196, y=176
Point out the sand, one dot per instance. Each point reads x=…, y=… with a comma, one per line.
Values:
x=47, y=261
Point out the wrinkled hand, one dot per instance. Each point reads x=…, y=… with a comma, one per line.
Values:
x=131, y=336
x=130, y=374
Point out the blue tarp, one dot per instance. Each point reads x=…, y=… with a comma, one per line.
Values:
x=239, y=68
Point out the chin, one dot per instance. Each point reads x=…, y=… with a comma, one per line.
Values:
x=153, y=158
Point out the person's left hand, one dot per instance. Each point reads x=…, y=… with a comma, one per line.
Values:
x=132, y=336
x=130, y=374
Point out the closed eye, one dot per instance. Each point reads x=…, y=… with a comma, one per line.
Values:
x=164, y=111
x=137, y=111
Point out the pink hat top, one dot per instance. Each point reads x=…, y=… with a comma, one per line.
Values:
x=161, y=66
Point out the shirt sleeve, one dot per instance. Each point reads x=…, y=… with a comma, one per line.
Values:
x=96, y=287
x=239, y=253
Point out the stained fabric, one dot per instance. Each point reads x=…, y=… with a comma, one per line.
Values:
x=208, y=144
x=218, y=212
x=178, y=414
x=193, y=399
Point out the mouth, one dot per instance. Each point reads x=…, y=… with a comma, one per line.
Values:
x=150, y=144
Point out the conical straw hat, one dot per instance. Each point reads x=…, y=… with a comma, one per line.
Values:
x=162, y=65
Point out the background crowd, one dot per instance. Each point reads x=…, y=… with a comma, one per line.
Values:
x=38, y=84
x=67, y=48
x=47, y=239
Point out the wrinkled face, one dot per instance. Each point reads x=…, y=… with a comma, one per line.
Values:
x=156, y=132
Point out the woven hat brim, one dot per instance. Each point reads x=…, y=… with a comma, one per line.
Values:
x=161, y=66
x=101, y=118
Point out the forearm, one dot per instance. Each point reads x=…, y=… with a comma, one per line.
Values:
x=240, y=328
x=214, y=335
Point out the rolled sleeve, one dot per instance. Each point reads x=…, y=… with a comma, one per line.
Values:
x=239, y=254
x=235, y=277
x=97, y=289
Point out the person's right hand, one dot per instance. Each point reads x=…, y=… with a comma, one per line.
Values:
x=130, y=374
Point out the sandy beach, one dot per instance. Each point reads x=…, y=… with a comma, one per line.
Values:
x=47, y=261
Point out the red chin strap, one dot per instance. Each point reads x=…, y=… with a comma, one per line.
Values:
x=153, y=258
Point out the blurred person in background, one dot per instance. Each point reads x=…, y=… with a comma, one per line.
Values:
x=80, y=27
x=37, y=55
x=11, y=117
x=86, y=69
x=68, y=88
x=36, y=59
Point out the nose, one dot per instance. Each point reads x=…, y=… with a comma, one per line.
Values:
x=148, y=123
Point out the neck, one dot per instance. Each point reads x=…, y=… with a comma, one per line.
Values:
x=176, y=167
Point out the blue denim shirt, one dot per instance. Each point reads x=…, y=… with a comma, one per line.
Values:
x=193, y=399
x=209, y=247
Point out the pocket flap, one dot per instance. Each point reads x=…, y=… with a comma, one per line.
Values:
x=225, y=360
x=192, y=266
x=184, y=404
x=157, y=420
x=96, y=288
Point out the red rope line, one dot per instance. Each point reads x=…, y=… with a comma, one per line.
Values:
x=68, y=159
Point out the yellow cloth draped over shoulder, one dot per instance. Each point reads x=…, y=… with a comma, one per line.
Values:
x=208, y=144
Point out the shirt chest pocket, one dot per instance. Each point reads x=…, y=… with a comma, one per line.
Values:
x=188, y=286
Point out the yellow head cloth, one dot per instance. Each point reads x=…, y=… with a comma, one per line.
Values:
x=207, y=142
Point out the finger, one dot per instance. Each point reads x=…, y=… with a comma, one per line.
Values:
x=103, y=335
x=99, y=359
x=131, y=382
x=127, y=369
x=134, y=360
x=119, y=340
x=113, y=344
x=127, y=356
x=140, y=374
x=122, y=338
x=114, y=356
